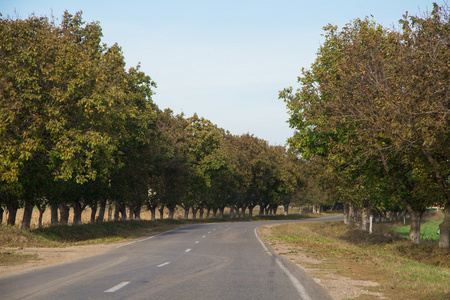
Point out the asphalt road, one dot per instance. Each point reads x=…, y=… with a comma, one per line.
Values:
x=211, y=261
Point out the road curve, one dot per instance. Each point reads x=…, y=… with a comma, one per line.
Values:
x=208, y=261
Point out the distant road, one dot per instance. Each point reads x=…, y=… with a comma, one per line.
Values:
x=211, y=261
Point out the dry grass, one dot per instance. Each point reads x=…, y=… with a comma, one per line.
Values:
x=403, y=271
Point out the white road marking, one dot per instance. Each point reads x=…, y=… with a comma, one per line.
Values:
x=209, y=231
x=204, y=236
x=117, y=287
x=197, y=242
x=188, y=250
x=298, y=286
x=164, y=264
x=214, y=229
x=126, y=244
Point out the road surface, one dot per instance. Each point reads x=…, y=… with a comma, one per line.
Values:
x=208, y=261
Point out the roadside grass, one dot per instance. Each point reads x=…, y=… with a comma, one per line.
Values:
x=403, y=270
x=10, y=258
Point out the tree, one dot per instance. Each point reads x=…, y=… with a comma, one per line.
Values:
x=360, y=107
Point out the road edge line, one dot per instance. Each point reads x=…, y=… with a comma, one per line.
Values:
x=298, y=286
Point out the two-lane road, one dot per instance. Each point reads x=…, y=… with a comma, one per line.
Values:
x=211, y=261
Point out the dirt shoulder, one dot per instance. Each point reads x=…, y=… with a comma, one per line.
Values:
x=44, y=257
x=339, y=287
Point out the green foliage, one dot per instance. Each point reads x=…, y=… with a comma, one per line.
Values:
x=375, y=104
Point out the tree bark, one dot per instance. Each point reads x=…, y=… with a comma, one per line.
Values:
x=221, y=209
x=110, y=212
x=116, y=210
x=137, y=212
x=186, y=212
x=101, y=211
x=444, y=228
x=161, y=212
x=77, y=210
x=12, y=213
x=27, y=213
x=153, y=213
x=1, y=214
x=64, y=214
x=54, y=214
x=365, y=219
x=346, y=213
x=250, y=210
x=93, y=213
x=131, y=211
x=194, y=213
x=286, y=209
x=414, y=231
x=41, y=209
x=171, y=212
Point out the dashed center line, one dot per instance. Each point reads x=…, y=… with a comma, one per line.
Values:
x=117, y=287
x=204, y=236
x=187, y=250
x=163, y=264
x=197, y=242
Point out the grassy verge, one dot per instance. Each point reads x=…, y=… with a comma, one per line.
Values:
x=404, y=271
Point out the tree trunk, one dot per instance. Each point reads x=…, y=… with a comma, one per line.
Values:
x=41, y=209
x=221, y=209
x=137, y=212
x=215, y=212
x=346, y=213
x=161, y=212
x=171, y=213
x=261, y=210
x=208, y=212
x=242, y=212
x=77, y=210
x=64, y=214
x=414, y=231
x=54, y=215
x=444, y=228
x=186, y=212
x=194, y=213
x=116, y=210
x=357, y=216
x=1, y=214
x=131, y=211
x=101, y=211
x=231, y=212
x=153, y=213
x=93, y=213
x=250, y=210
x=286, y=209
x=274, y=210
x=123, y=211
x=27, y=213
x=110, y=212
x=12, y=213
x=201, y=212
x=365, y=219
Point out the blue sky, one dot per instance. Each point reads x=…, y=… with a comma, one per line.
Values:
x=225, y=60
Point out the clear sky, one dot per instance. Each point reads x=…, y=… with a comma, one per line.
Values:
x=226, y=60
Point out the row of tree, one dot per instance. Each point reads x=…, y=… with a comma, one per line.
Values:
x=375, y=110
x=77, y=129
